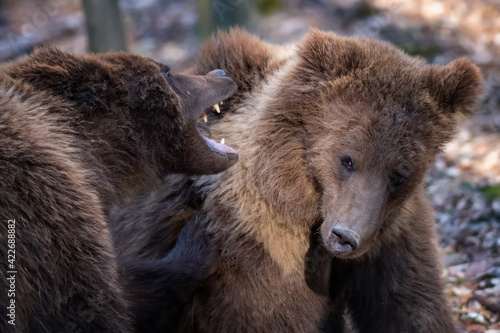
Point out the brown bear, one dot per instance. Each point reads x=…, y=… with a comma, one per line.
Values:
x=78, y=134
x=325, y=212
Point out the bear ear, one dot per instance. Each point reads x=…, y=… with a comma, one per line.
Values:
x=78, y=78
x=456, y=86
x=49, y=67
x=326, y=53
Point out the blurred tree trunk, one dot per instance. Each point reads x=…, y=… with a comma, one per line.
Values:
x=104, y=25
x=223, y=14
x=3, y=20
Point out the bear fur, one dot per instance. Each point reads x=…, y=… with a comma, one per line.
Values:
x=325, y=212
x=168, y=209
x=78, y=135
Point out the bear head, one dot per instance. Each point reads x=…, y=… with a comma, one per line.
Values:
x=135, y=107
x=362, y=123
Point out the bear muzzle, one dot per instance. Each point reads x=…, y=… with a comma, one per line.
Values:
x=342, y=240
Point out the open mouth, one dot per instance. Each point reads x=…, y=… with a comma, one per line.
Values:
x=219, y=147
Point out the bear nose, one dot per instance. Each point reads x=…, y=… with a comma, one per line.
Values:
x=218, y=73
x=344, y=239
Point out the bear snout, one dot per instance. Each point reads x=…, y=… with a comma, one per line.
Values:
x=342, y=240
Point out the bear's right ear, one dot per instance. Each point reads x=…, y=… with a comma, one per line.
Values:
x=456, y=86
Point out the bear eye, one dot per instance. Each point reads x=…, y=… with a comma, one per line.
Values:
x=396, y=180
x=347, y=163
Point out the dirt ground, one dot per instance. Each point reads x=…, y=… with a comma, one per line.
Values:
x=464, y=183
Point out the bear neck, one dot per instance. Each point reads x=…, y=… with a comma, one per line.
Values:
x=278, y=144
x=243, y=216
x=271, y=200
x=116, y=157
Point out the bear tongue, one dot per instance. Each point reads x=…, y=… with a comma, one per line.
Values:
x=219, y=147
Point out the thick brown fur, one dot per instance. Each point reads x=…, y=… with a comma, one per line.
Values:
x=78, y=134
x=338, y=131
x=168, y=209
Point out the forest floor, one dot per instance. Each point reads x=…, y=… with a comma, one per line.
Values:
x=463, y=184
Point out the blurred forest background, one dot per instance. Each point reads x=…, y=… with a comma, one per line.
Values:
x=464, y=183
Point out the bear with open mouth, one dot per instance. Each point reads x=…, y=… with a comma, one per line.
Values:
x=78, y=135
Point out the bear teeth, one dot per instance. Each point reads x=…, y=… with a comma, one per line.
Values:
x=216, y=107
x=222, y=141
